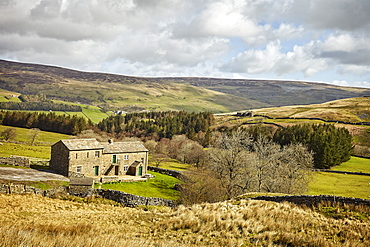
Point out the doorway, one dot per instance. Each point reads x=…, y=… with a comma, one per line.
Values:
x=96, y=170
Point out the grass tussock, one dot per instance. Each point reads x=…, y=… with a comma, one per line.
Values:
x=36, y=221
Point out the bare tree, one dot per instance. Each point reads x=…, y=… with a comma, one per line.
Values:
x=229, y=160
x=32, y=134
x=151, y=145
x=159, y=158
x=241, y=164
x=8, y=134
x=201, y=185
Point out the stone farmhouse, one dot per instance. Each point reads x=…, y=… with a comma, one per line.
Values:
x=101, y=161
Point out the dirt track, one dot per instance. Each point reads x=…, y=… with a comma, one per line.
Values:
x=19, y=174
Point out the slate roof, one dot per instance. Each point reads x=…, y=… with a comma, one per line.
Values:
x=124, y=147
x=82, y=144
x=115, y=147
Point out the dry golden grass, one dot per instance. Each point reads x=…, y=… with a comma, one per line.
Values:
x=28, y=220
x=351, y=110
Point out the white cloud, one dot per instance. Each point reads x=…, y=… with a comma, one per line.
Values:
x=209, y=38
x=272, y=59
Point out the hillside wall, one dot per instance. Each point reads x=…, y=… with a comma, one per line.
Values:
x=15, y=161
x=172, y=173
x=130, y=200
x=314, y=200
x=125, y=199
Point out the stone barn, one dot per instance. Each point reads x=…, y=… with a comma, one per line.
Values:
x=99, y=160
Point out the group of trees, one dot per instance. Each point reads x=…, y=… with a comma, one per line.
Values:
x=331, y=146
x=39, y=106
x=180, y=147
x=160, y=124
x=237, y=164
x=64, y=124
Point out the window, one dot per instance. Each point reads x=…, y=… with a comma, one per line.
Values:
x=125, y=168
x=97, y=154
x=79, y=169
x=76, y=155
x=114, y=158
x=87, y=155
x=125, y=157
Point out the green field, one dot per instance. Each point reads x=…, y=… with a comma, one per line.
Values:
x=94, y=113
x=43, y=137
x=161, y=186
x=324, y=183
x=41, y=149
x=355, y=164
x=171, y=165
x=8, y=149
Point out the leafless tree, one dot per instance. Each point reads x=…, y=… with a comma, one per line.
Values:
x=158, y=159
x=242, y=164
x=8, y=134
x=32, y=134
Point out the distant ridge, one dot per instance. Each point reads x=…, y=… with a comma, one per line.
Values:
x=112, y=91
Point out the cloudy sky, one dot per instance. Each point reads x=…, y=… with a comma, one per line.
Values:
x=308, y=40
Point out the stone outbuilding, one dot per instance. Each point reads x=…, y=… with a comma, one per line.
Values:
x=101, y=161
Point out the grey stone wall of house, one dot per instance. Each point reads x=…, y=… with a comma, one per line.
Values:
x=314, y=200
x=173, y=173
x=59, y=161
x=15, y=161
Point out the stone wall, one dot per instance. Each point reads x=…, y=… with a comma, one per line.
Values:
x=173, y=173
x=24, y=189
x=15, y=161
x=343, y=172
x=314, y=200
x=130, y=200
x=125, y=199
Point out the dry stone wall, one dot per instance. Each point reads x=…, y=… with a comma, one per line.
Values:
x=314, y=200
x=15, y=161
x=172, y=173
x=130, y=200
x=125, y=199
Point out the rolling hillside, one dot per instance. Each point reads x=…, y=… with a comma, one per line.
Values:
x=276, y=93
x=115, y=92
x=118, y=92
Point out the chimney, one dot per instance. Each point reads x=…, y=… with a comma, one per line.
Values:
x=110, y=141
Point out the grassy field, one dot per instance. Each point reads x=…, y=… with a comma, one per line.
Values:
x=45, y=137
x=161, y=186
x=171, y=165
x=94, y=113
x=8, y=149
x=355, y=164
x=324, y=183
x=346, y=185
x=41, y=149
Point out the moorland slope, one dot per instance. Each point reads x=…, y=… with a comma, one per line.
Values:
x=112, y=91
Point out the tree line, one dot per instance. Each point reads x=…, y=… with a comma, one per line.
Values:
x=164, y=124
x=65, y=124
x=39, y=106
